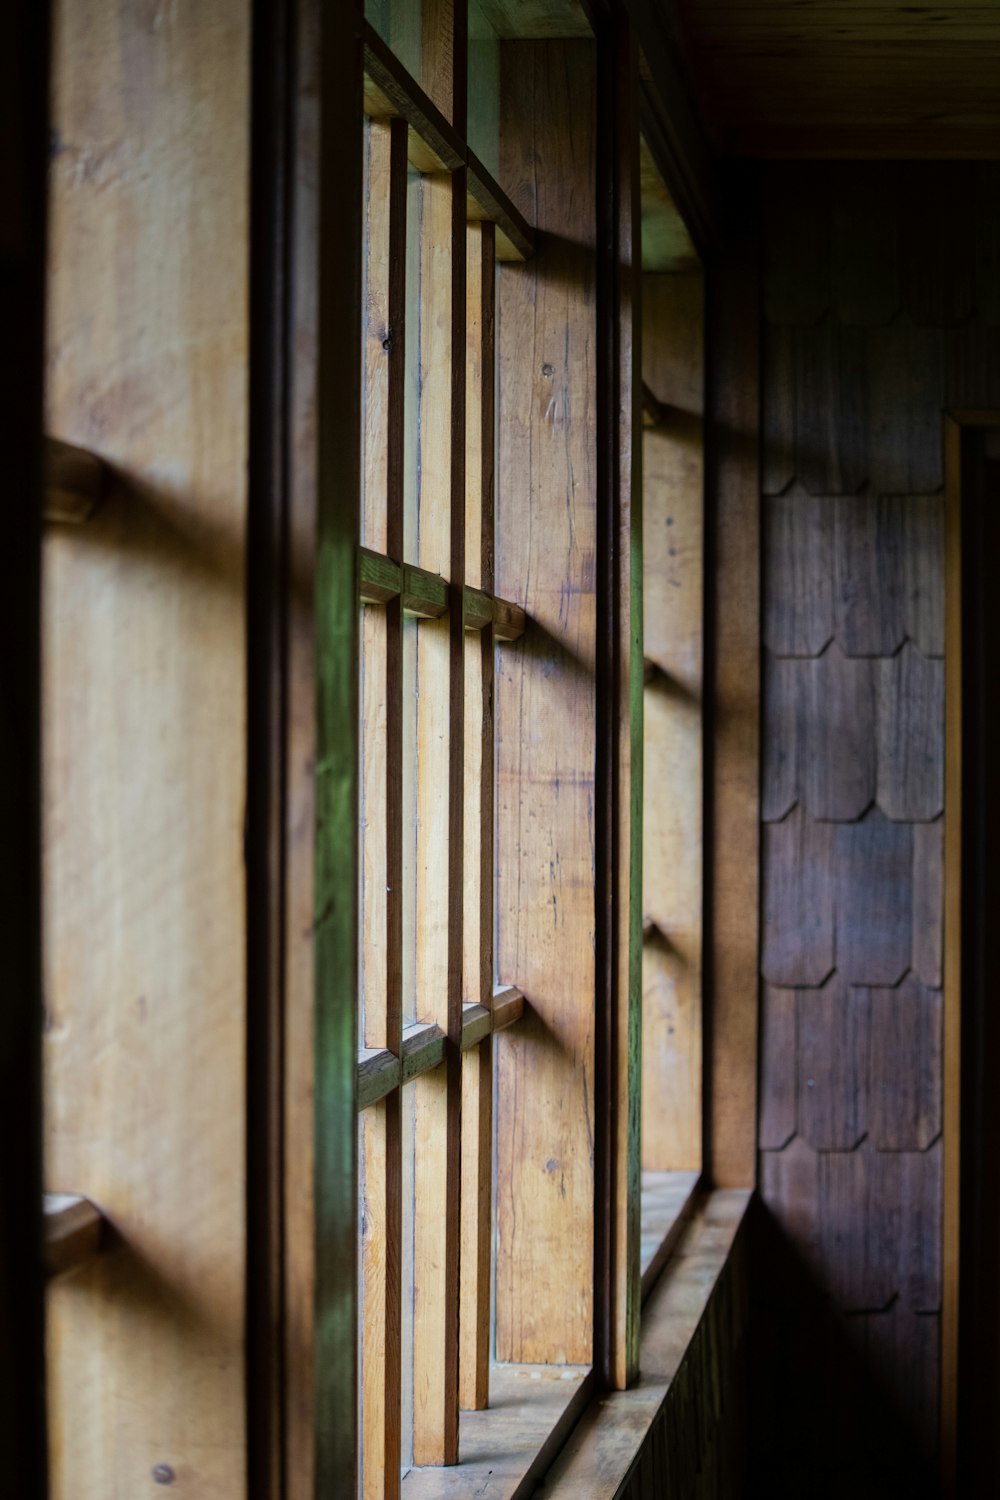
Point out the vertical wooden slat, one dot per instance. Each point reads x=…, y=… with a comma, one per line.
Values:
x=440, y=795
x=477, y=1083
x=546, y=561
x=382, y=830
x=626, y=703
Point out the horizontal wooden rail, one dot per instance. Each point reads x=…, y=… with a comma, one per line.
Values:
x=425, y=595
x=435, y=146
x=486, y=199
x=75, y=482
x=390, y=91
x=74, y=1231
x=381, y=1071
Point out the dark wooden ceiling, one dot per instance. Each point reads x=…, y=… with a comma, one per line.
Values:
x=845, y=77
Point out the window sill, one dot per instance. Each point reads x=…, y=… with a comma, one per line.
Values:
x=605, y=1444
x=506, y=1449
x=542, y=1421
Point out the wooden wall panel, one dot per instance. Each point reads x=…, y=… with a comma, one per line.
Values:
x=850, y=863
x=144, y=753
x=673, y=602
x=545, y=561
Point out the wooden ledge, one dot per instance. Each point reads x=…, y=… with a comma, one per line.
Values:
x=604, y=1444
x=506, y=1448
x=667, y=1202
x=74, y=1231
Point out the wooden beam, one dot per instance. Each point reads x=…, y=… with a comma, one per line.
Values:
x=74, y=1231
x=515, y=238
x=76, y=482
x=509, y=620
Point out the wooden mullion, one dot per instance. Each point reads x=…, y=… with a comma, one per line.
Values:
x=382, y=1129
x=438, y=998
x=477, y=1098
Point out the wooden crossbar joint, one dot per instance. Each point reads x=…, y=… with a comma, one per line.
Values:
x=391, y=91
x=76, y=482
x=379, y=578
x=509, y=621
x=74, y=1231
x=508, y=1006
x=654, y=413
x=477, y=609
x=380, y=1071
x=515, y=238
x=477, y=1022
x=424, y=594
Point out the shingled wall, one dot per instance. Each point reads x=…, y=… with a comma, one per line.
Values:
x=881, y=311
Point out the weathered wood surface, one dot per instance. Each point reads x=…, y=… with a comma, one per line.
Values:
x=860, y=79
x=679, y=1430
x=145, y=742
x=546, y=562
x=673, y=602
x=732, y=687
x=852, y=784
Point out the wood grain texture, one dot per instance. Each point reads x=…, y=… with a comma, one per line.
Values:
x=928, y=901
x=837, y=715
x=799, y=534
x=820, y=749
x=922, y=589
x=911, y=736
x=831, y=432
x=972, y=367
x=779, y=1067
x=855, y=80
x=733, y=686
x=833, y=1060
x=778, y=406
x=673, y=608
x=798, y=900
x=546, y=563
x=781, y=725
x=904, y=1067
x=873, y=872
x=868, y=569
x=144, y=754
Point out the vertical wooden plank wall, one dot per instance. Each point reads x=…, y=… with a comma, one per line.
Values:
x=144, y=748
x=879, y=313
x=546, y=540
x=24, y=58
